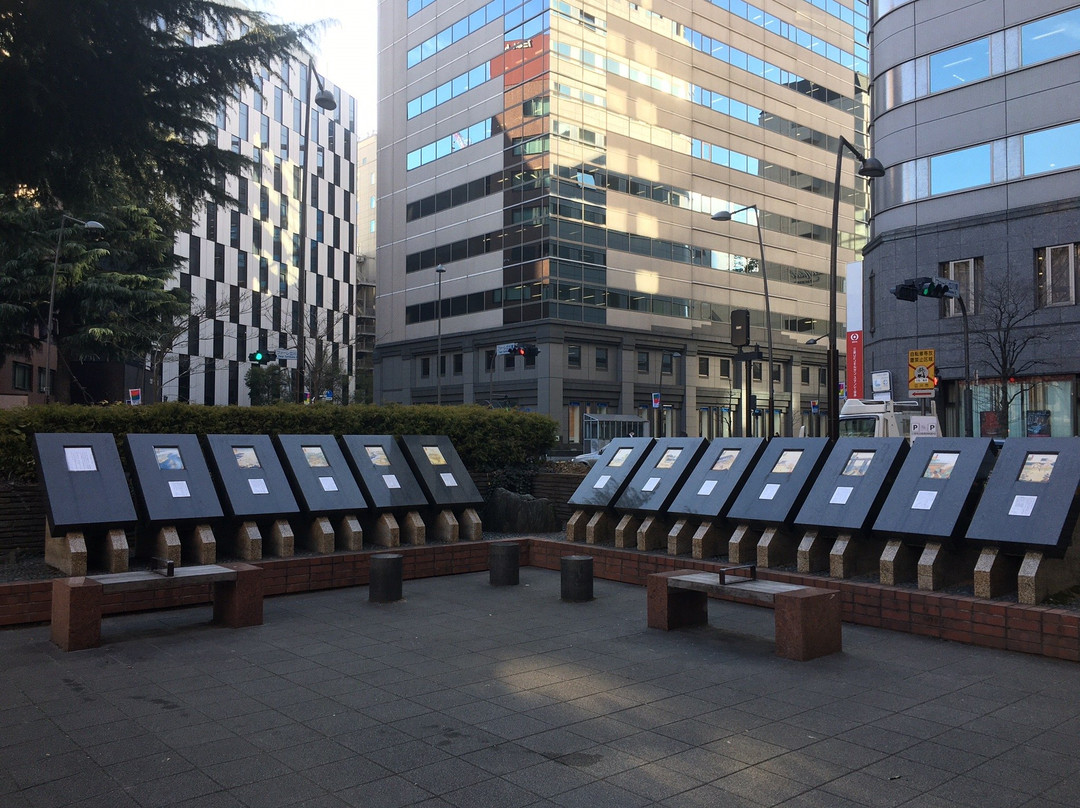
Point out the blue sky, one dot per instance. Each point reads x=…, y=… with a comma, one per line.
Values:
x=346, y=52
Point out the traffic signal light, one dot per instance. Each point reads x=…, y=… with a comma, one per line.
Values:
x=528, y=351
x=914, y=288
x=262, y=357
x=934, y=287
x=904, y=292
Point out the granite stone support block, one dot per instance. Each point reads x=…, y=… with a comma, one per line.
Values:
x=807, y=623
x=674, y=608
x=249, y=542
x=282, y=540
x=66, y=553
x=349, y=535
x=239, y=603
x=941, y=566
x=777, y=547
x=708, y=541
x=115, y=549
x=680, y=539
x=652, y=534
x=201, y=548
x=167, y=546
x=813, y=553
x=626, y=532
x=320, y=535
x=445, y=526
x=851, y=556
x=996, y=574
x=600, y=529
x=575, y=525
x=899, y=563
x=470, y=526
x=413, y=529
x=76, y=613
x=387, y=533
x=742, y=546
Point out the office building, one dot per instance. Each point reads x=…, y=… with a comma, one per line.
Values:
x=547, y=175
x=976, y=119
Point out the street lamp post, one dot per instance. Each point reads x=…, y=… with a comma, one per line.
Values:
x=324, y=99
x=90, y=225
x=440, y=270
x=869, y=167
x=725, y=216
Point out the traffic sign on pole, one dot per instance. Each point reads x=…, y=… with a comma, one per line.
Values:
x=921, y=373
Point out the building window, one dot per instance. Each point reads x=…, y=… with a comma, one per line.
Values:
x=601, y=359
x=777, y=373
x=968, y=273
x=960, y=65
x=642, y=361
x=425, y=367
x=489, y=361
x=667, y=364
x=459, y=364
x=804, y=375
x=573, y=356
x=756, y=372
x=442, y=365
x=508, y=362
x=703, y=367
x=725, y=368
x=20, y=376
x=1055, y=274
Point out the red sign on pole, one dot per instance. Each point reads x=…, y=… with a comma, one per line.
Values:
x=854, y=364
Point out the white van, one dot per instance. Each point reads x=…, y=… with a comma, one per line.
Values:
x=869, y=418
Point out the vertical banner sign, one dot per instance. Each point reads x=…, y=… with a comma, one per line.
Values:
x=921, y=373
x=854, y=364
x=134, y=396
x=656, y=401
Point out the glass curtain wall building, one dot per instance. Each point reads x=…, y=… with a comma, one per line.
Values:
x=975, y=118
x=240, y=262
x=547, y=175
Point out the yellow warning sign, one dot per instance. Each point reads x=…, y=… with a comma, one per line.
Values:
x=921, y=372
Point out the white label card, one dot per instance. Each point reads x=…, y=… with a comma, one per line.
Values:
x=391, y=481
x=328, y=483
x=924, y=500
x=80, y=458
x=650, y=484
x=179, y=489
x=841, y=495
x=706, y=488
x=1022, y=505
x=600, y=483
x=448, y=479
x=769, y=491
x=258, y=485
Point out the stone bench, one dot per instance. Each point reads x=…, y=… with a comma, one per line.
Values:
x=807, y=618
x=77, y=603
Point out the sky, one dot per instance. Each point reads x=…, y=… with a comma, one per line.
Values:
x=345, y=53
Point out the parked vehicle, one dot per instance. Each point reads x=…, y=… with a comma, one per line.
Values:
x=870, y=418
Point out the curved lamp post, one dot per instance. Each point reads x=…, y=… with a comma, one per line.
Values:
x=324, y=99
x=725, y=216
x=90, y=225
x=869, y=167
x=440, y=270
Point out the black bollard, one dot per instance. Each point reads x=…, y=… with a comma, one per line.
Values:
x=577, y=578
x=503, y=563
x=385, y=579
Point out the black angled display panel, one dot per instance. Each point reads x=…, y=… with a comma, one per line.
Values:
x=852, y=485
x=440, y=471
x=383, y=472
x=172, y=478
x=610, y=474
x=320, y=474
x=717, y=478
x=1030, y=500
x=84, y=481
x=780, y=481
x=661, y=475
x=251, y=481
x=935, y=493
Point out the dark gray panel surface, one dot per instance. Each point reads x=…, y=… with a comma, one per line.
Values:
x=172, y=478
x=439, y=470
x=717, y=478
x=384, y=474
x=852, y=485
x=1030, y=500
x=780, y=481
x=936, y=490
x=610, y=474
x=251, y=481
x=83, y=480
x=320, y=475
x=661, y=475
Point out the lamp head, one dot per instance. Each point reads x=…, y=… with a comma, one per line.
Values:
x=92, y=225
x=871, y=168
x=722, y=216
x=325, y=99
x=440, y=269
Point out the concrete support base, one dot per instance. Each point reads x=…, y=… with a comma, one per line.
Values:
x=470, y=527
x=813, y=552
x=115, y=551
x=899, y=563
x=708, y=541
x=249, y=542
x=776, y=548
x=349, y=535
x=201, y=546
x=652, y=535
x=445, y=527
x=575, y=526
x=282, y=540
x=413, y=529
x=742, y=546
x=850, y=557
x=996, y=574
x=386, y=532
x=600, y=529
x=1041, y=577
x=940, y=567
x=680, y=540
x=320, y=535
x=66, y=553
x=626, y=532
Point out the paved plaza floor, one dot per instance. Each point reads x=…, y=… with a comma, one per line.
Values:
x=468, y=695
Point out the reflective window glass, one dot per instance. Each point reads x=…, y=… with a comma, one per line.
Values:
x=1052, y=149
x=960, y=65
x=1047, y=39
x=955, y=171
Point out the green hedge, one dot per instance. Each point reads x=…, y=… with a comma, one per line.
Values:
x=486, y=439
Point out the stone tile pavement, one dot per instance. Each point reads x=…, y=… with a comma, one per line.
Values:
x=468, y=695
